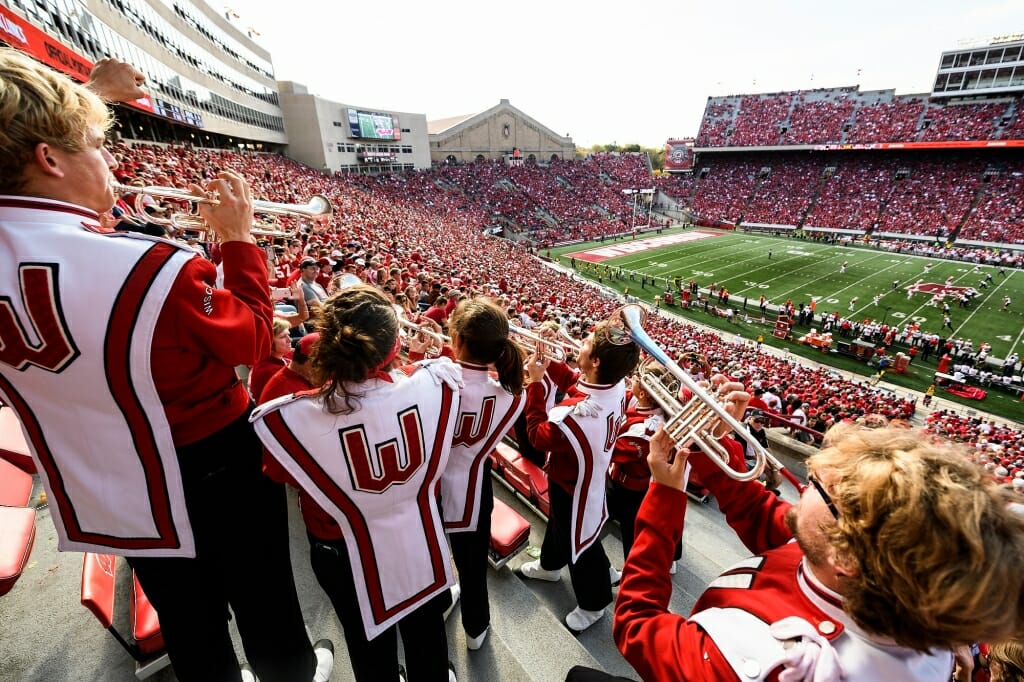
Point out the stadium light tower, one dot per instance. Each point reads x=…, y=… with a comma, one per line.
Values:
x=649, y=193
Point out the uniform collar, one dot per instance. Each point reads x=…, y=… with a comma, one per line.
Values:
x=51, y=205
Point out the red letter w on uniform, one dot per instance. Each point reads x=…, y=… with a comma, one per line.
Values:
x=394, y=461
x=41, y=300
x=471, y=430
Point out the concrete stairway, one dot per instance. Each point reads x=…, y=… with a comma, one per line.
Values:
x=45, y=634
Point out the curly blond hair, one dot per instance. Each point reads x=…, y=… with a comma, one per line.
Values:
x=37, y=104
x=938, y=552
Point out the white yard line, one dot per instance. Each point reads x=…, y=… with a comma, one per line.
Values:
x=990, y=295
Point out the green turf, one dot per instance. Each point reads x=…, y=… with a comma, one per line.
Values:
x=800, y=270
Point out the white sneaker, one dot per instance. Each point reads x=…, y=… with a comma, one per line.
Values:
x=614, y=575
x=579, y=619
x=324, y=651
x=456, y=593
x=247, y=674
x=474, y=643
x=673, y=567
x=451, y=673
x=532, y=569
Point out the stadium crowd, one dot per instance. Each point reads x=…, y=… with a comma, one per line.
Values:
x=849, y=116
x=968, y=196
x=410, y=235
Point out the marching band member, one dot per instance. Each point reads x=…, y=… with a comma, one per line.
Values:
x=894, y=540
x=579, y=434
x=127, y=339
x=629, y=476
x=487, y=409
x=368, y=447
x=552, y=390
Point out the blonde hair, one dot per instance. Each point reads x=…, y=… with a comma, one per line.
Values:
x=937, y=551
x=280, y=325
x=37, y=104
x=1009, y=656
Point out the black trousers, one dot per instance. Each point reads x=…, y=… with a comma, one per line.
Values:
x=239, y=519
x=590, y=580
x=423, y=631
x=623, y=506
x=526, y=449
x=470, y=553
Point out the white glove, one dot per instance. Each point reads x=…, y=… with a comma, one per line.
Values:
x=586, y=408
x=443, y=371
x=812, y=658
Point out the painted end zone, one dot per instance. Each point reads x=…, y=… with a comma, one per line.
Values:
x=639, y=246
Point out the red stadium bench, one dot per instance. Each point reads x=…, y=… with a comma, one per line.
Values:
x=510, y=534
x=17, y=535
x=15, y=486
x=527, y=480
x=99, y=572
x=145, y=624
x=13, y=447
x=521, y=476
x=504, y=456
x=539, y=492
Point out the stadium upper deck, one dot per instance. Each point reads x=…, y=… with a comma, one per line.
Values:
x=849, y=116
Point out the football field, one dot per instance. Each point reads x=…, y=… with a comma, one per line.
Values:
x=874, y=284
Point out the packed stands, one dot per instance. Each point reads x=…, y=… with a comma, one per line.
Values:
x=817, y=120
x=972, y=195
x=850, y=116
x=998, y=215
x=759, y=120
x=962, y=121
x=886, y=120
x=413, y=224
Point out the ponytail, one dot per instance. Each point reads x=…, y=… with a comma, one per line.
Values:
x=510, y=367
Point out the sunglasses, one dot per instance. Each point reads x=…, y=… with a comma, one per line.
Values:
x=825, y=497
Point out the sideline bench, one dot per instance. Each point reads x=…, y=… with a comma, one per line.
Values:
x=99, y=572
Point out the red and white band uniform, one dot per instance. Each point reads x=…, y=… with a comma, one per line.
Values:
x=629, y=475
x=551, y=391
x=376, y=471
x=60, y=327
x=579, y=434
x=122, y=375
x=762, y=616
x=486, y=413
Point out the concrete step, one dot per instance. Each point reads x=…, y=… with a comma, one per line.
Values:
x=45, y=634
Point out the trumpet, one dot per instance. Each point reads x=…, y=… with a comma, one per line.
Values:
x=695, y=421
x=318, y=208
x=438, y=340
x=570, y=344
x=532, y=343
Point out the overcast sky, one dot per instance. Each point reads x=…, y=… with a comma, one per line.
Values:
x=625, y=72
